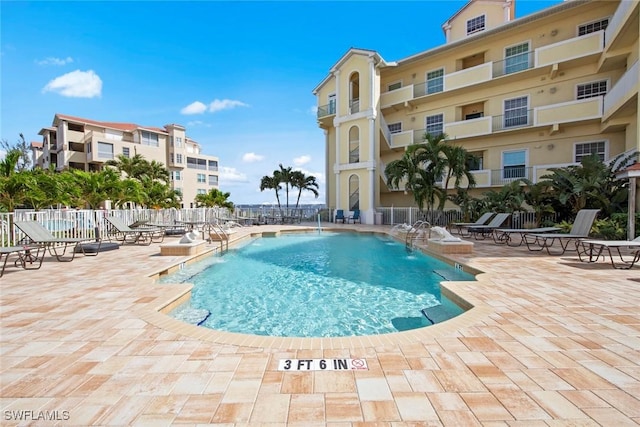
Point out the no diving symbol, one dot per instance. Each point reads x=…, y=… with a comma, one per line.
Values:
x=358, y=364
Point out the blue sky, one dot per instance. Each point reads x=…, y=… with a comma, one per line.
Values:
x=238, y=75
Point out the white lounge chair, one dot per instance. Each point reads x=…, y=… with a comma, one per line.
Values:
x=593, y=249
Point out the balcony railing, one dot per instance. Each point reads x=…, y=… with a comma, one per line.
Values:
x=327, y=110
x=509, y=174
x=354, y=155
x=520, y=62
x=512, y=121
x=615, y=24
x=354, y=106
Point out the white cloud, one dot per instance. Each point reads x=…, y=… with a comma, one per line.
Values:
x=55, y=61
x=76, y=84
x=302, y=160
x=194, y=108
x=230, y=175
x=252, y=157
x=194, y=123
x=225, y=104
x=313, y=110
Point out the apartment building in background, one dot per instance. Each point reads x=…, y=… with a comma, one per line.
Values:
x=86, y=144
x=523, y=95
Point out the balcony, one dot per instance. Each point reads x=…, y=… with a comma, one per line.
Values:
x=500, y=177
x=514, y=120
x=569, y=112
x=354, y=106
x=326, y=110
x=406, y=138
x=513, y=64
x=396, y=97
x=566, y=50
x=545, y=56
x=468, y=128
x=622, y=30
x=470, y=76
x=622, y=93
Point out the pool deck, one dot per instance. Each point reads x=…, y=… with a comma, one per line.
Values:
x=550, y=341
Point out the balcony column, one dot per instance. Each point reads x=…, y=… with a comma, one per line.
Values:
x=447, y=30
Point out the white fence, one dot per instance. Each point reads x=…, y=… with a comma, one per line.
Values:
x=85, y=223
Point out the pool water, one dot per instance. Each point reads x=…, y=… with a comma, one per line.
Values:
x=318, y=285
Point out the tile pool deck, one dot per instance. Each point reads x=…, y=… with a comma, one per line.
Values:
x=550, y=342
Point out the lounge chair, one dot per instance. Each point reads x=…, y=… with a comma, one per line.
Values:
x=25, y=255
x=579, y=230
x=340, y=216
x=503, y=235
x=460, y=226
x=355, y=217
x=480, y=232
x=593, y=249
x=125, y=234
x=36, y=234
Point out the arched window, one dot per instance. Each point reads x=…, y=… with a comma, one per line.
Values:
x=354, y=144
x=354, y=93
x=354, y=192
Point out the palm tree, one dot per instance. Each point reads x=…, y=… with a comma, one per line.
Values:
x=214, y=198
x=127, y=165
x=304, y=183
x=285, y=176
x=271, y=183
x=457, y=161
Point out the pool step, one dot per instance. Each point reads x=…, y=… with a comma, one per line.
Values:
x=194, y=316
x=436, y=314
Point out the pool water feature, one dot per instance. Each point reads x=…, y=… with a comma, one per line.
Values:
x=319, y=285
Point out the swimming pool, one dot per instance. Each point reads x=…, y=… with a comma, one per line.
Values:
x=318, y=285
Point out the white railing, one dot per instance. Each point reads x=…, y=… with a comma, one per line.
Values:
x=385, y=129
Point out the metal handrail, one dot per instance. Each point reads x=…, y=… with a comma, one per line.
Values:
x=414, y=235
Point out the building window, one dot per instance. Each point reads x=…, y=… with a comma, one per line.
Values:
x=394, y=86
x=194, y=163
x=435, y=124
x=105, y=151
x=588, y=148
x=515, y=112
x=202, y=178
x=591, y=90
x=201, y=191
x=435, y=81
x=178, y=141
x=125, y=152
x=592, y=27
x=213, y=165
x=395, y=127
x=179, y=159
x=516, y=58
x=148, y=138
x=475, y=25
x=176, y=175
x=213, y=179
x=514, y=164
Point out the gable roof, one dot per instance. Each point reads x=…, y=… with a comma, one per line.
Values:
x=351, y=52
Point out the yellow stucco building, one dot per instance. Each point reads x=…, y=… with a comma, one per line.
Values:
x=523, y=95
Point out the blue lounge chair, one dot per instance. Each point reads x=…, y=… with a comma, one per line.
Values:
x=340, y=215
x=356, y=216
